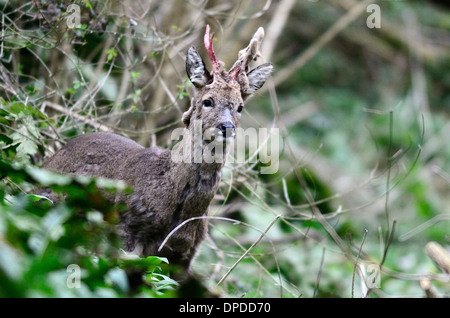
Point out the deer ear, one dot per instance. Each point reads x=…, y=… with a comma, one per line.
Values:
x=195, y=68
x=257, y=77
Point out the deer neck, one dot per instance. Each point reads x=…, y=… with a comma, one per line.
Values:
x=196, y=160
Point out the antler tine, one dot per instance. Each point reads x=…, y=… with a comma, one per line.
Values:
x=210, y=49
x=251, y=52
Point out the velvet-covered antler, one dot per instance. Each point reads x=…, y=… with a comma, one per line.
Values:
x=210, y=49
x=250, y=53
x=239, y=73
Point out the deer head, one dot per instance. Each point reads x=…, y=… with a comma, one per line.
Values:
x=219, y=95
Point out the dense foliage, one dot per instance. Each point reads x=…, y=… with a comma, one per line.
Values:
x=363, y=180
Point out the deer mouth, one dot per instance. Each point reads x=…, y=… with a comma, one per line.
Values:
x=224, y=139
x=217, y=135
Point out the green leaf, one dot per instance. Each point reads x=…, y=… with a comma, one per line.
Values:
x=135, y=75
x=5, y=140
x=111, y=53
x=36, y=198
x=26, y=149
x=17, y=108
x=149, y=264
x=11, y=262
x=161, y=282
x=88, y=4
x=46, y=177
x=117, y=277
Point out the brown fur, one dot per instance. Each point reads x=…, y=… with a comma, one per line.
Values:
x=165, y=192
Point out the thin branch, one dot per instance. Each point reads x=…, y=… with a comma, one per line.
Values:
x=439, y=255
x=248, y=250
x=389, y=166
x=389, y=240
x=319, y=275
x=82, y=118
x=326, y=37
x=356, y=262
x=264, y=269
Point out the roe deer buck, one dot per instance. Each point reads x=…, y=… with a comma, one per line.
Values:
x=167, y=192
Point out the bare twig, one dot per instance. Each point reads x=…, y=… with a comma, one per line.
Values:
x=248, y=250
x=264, y=269
x=77, y=116
x=439, y=255
x=319, y=275
x=356, y=262
x=422, y=227
x=326, y=37
x=425, y=284
x=276, y=26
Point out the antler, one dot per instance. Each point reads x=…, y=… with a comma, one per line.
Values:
x=210, y=49
x=239, y=70
x=251, y=52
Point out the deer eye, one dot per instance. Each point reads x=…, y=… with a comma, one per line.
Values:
x=240, y=108
x=208, y=103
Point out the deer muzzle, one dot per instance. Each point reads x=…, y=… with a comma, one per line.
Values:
x=225, y=132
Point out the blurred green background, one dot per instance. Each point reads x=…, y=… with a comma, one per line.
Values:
x=364, y=170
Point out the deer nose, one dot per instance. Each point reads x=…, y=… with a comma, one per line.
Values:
x=227, y=129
